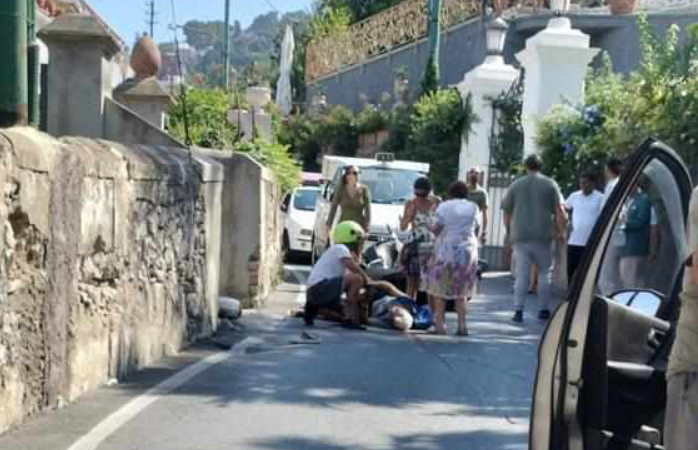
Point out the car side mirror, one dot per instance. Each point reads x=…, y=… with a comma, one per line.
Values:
x=284, y=207
x=643, y=301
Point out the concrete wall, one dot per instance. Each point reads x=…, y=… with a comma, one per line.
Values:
x=463, y=48
x=108, y=261
x=76, y=109
x=250, y=257
x=123, y=125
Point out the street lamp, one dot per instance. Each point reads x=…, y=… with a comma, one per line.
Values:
x=495, y=36
x=559, y=7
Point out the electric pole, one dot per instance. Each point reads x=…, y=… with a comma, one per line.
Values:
x=226, y=46
x=151, y=17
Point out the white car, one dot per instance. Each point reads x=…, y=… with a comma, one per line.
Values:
x=390, y=182
x=299, y=217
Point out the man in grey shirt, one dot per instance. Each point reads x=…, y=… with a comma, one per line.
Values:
x=533, y=213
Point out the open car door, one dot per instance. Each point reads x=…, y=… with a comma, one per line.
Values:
x=602, y=359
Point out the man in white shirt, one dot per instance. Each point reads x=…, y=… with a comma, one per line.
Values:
x=614, y=167
x=609, y=279
x=338, y=271
x=584, y=207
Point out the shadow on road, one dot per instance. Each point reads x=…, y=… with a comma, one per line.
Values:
x=476, y=440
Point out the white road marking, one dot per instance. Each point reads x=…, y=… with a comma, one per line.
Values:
x=119, y=418
x=129, y=411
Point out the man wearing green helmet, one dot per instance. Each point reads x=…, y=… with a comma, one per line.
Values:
x=336, y=272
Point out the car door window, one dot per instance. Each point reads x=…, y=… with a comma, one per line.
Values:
x=648, y=242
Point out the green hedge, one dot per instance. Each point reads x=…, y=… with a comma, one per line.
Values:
x=619, y=112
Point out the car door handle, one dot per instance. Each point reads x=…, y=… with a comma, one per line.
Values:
x=654, y=340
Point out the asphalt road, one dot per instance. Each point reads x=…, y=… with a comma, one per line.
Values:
x=374, y=390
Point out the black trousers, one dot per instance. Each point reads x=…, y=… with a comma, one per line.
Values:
x=574, y=258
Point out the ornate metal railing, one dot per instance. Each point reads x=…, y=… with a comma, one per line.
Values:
x=402, y=24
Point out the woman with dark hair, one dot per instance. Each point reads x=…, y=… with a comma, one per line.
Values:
x=417, y=216
x=354, y=199
x=452, y=269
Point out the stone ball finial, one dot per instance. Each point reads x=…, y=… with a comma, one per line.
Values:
x=146, y=59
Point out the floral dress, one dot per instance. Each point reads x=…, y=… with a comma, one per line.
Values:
x=417, y=252
x=452, y=268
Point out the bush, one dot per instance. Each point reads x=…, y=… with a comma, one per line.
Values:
x=277, y=158
x=573, y=144
x=659, y=99
x=371, y=119
x=308, y=136
x=430, y=131
x=207, y=114
x=438, y=123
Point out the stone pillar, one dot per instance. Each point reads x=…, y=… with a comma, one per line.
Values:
x=484, y=83
x=143, y=94
x=555, y=62
x=79, y=74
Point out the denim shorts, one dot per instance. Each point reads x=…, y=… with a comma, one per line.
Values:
x=325, y=294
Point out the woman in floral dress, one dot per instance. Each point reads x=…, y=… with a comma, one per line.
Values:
x=452, y=269
x=417, y=216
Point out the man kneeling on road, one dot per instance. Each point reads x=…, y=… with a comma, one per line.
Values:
x=336, y=272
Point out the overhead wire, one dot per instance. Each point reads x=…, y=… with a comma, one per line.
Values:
x=183, y=90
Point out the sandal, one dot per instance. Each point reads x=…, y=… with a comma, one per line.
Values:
x=463, y=332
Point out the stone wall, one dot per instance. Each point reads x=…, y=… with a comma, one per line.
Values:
x=108, y=261
x=123, y=125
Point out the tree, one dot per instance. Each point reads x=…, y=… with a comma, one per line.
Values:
x=430, y=81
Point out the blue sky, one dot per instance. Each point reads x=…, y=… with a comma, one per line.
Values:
x=128, y=17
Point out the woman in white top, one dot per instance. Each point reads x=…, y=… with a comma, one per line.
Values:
x=452, y=269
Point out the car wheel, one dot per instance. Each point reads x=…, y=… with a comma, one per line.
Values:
x=313, y=252
x=286, y=247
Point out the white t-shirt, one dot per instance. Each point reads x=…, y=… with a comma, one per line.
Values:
x=329, y=265
x=585, y=213
x=608, y=190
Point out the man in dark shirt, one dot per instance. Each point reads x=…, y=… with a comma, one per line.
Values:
x=478, y=195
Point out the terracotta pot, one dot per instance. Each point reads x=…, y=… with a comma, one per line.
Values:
x=624, y=6
x=146, y=59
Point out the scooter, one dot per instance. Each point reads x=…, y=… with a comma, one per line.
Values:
x=380, y=260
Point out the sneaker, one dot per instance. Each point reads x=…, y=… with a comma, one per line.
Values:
x=518, y=317
x=309, y=321
x=544, y=314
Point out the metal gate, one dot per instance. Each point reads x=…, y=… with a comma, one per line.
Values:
x=496, y=251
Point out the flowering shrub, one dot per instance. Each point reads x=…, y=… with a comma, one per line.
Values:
x=659, y=99
x=573, y=141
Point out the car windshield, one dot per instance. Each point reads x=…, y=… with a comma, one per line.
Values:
x=305, y=199
x=389, y=186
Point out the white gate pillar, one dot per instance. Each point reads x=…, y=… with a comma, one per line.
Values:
x=486, y=82
x=555, y=62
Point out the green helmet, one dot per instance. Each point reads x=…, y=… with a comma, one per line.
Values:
x=347, y=232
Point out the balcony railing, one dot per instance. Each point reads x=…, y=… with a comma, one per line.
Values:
x=402, y=24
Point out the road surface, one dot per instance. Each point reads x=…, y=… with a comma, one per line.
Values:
x=374, y=390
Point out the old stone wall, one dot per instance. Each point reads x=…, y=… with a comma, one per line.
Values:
x=108, y=261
